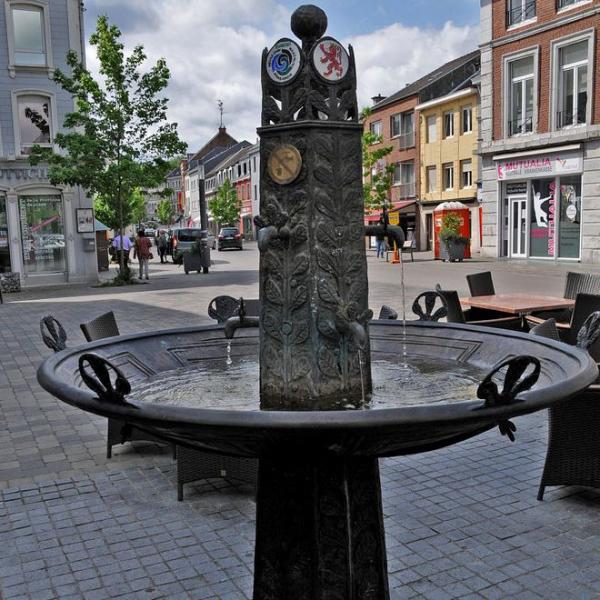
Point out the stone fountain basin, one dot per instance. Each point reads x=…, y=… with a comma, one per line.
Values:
x=384, y=432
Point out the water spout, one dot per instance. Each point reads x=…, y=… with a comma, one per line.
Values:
x=358, y=334
x=240, y=322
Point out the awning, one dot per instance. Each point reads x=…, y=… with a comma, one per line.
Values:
x=98, y=226
x=398, y=206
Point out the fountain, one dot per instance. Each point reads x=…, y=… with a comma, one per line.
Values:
x=318, y=419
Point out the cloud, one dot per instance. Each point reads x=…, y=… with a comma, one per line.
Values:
x=213, y=50
x=388, y=59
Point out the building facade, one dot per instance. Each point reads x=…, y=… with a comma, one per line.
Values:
x=45, y=234
x=540, y=129
x=396, y=119
x=449, y=132
x=254, y=157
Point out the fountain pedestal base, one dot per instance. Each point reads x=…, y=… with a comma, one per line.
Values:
x=319, y=530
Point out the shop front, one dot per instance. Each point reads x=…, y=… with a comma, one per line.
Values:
x=46, y=233
x=540, y=205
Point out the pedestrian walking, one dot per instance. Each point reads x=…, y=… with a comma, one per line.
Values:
x=142, y=249
x=122, y=245
x=162, y=244
x=380, y=241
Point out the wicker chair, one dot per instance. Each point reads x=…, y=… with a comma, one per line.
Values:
x=481, y=284
x=575, y=283
x=457, y=315
x=119, y=432
x=101, y=327
x=387, y=313
x=222, y=308
x=573, y=455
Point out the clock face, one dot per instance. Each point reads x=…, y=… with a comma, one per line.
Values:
x=330, y=59
x=284, y=164
x=284, y=61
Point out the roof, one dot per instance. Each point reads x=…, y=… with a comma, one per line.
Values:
x=176, y=172
x=420, y=84
x=219, y=161
x=220, y=139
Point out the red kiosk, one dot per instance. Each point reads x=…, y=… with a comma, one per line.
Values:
x=463, y=212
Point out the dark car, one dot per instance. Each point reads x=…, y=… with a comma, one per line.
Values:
x=186, y=237
x=229, y=237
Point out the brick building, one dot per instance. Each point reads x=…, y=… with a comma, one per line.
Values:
x=396, y=120
x=540, y=129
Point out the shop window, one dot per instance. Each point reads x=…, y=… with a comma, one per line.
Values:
x=521, y=95
x=431, y=180
x=34, y=121
x=466, y=168
x=467, y=119
x=376, y=128
x=4, y=246
x=42, y=234
x=569, y=226
x=449, y=176
x=448, y=124
x=573, y=84
x=431, y=129
x=542, y=218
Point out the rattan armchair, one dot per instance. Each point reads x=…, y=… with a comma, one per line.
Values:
x=573, y=455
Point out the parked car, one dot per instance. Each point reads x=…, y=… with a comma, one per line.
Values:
x=149, y=232
x=229, y=237
x=184, y=239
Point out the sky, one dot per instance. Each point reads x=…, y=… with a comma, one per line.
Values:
x=213, y=48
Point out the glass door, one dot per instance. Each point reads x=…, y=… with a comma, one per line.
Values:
x=518, y=226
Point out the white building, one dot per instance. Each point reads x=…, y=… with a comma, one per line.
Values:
x=45, y=232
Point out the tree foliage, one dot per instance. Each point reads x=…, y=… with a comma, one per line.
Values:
x=225, y=206
x=164, y=212
x=118, y=137
x=377, y=174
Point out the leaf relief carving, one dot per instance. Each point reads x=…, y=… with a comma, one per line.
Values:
x=272, y=325
x=300, y=265
x=299, y=297
x=299, y=234
x=328, y=363
x=300, y=333
x=273, y=292
x=327, y=328
x=327, y=292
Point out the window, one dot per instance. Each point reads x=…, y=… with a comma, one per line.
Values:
x=467, y=119
x=42, y=234
x=431, y=129
x=376, y=128
x=520, y=112
x=34, y=121
x=396, y=175
x=519, y=11
x=255, y=192
x=395, y=124
x=466, y=169
x=28, y=36
x=572, y=84
x=448, y=124
x=254, y=163
x=448, y=176
x=431, y=180
x=407, y=179
x=567, y=3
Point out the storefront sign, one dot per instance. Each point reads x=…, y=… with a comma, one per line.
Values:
x=546, y=165
x=516, y=189
x=24, y=173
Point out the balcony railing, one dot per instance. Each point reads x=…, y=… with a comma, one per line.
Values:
x=568, y=118
x=519, y=126
x=406, y=140
x=407, y=190
x=520, y=13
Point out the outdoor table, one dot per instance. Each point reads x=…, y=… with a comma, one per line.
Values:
x=517, y=304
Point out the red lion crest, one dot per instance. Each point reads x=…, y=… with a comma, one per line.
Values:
x=332, y=56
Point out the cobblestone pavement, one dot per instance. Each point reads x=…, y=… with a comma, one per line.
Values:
x=462, y=522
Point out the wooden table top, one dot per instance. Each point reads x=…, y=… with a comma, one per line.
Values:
x=517, y=304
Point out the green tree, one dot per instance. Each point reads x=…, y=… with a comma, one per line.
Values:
x=225, y=206
x=137, y=201
x=377, y=180
x=164, y=212
x=118, y=138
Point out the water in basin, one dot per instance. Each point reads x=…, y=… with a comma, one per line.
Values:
x=213, y=385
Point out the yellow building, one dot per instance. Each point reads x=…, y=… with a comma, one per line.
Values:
x=448, y=157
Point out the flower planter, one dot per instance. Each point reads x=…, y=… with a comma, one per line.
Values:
x=453, y=250
x=10, y=282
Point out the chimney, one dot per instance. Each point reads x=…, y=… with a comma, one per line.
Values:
x=378, y=98
x=222, y=130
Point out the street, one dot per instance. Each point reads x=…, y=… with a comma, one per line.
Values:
x=462, y=522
